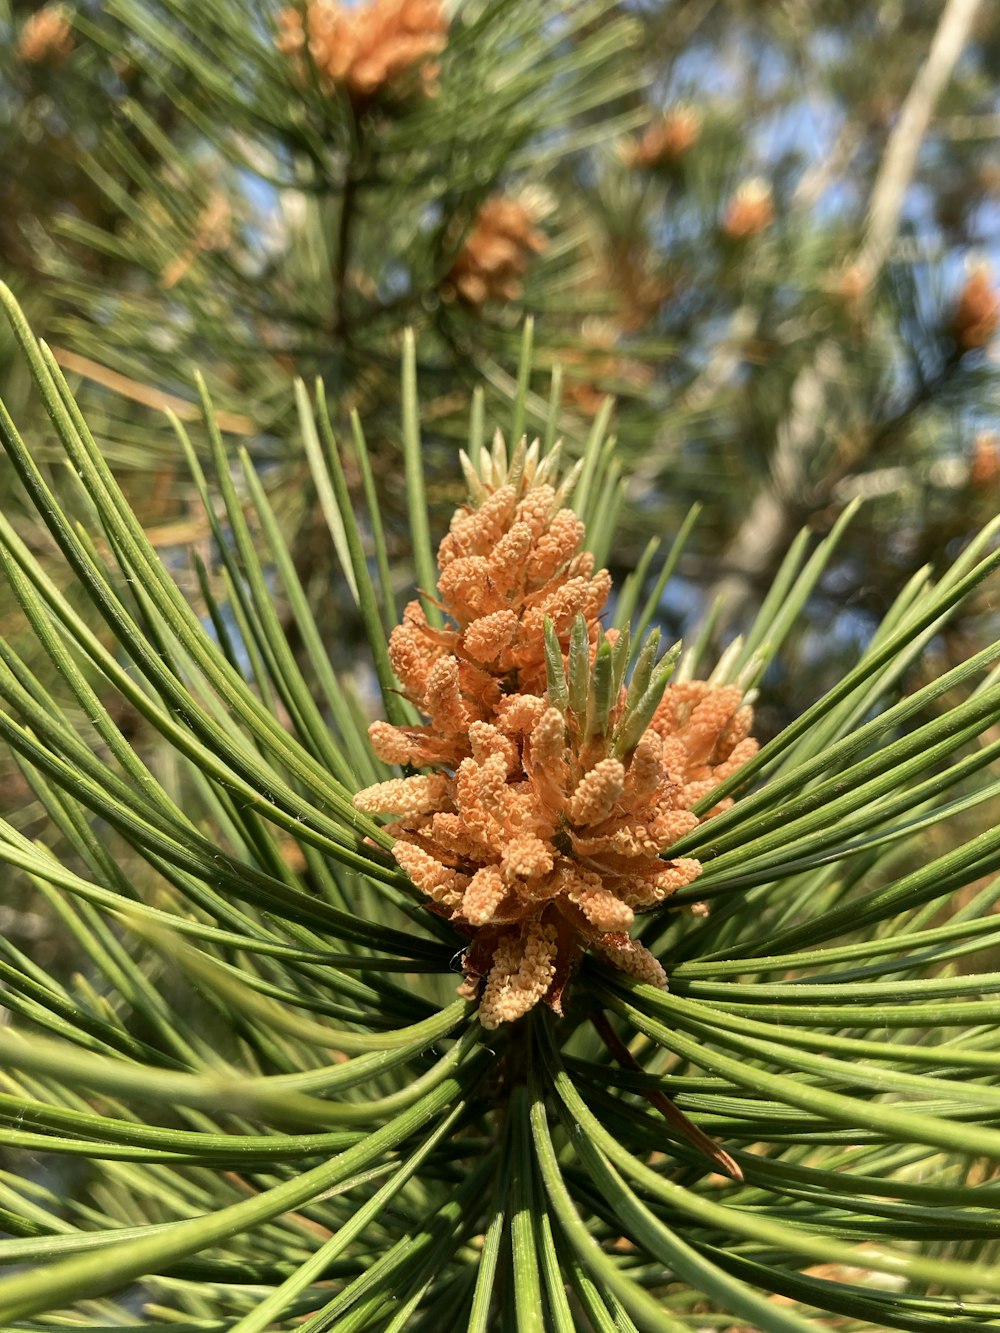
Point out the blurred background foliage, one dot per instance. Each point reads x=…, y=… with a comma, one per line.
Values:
x=765, y=229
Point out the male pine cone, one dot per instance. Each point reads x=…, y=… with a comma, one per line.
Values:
x=557, y=785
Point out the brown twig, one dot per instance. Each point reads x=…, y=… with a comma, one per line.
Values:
x=664, y=1104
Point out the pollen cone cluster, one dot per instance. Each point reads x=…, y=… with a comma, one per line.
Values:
x=366, y=48
x=46, y=37
x=498, y=250
x=557, y=782
x=666, y=141
x=976, y=316
x=749, y=211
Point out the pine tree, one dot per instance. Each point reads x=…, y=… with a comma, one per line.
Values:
x=398, y=934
